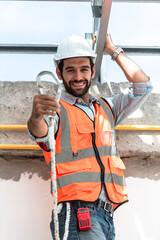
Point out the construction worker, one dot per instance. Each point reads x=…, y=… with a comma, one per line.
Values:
x=89, y=170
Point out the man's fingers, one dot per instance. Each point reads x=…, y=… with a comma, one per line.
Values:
x=46, y=101
x=45, y=105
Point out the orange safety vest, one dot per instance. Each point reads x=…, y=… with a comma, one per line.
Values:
x=87, y=157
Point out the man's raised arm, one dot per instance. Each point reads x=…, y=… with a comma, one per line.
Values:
x=131, y=70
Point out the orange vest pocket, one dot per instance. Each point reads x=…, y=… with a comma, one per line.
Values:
x=106, y=138
x=85, y=127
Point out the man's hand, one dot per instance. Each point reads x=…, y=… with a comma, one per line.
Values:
x=109, y=48
x=42, y=105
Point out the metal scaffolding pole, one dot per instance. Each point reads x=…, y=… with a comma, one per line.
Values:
x=101, y=13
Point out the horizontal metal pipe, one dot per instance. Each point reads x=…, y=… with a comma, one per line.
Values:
x=13, y=127
x=36, y=147
x=52, y=48
x=19, y=147
x=119, y=127
x=138, y=127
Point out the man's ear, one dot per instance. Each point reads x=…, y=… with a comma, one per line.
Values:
x=93, y=72
x=58, y=72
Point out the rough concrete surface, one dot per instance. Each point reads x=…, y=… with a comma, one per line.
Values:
x=140, y=150
x=16, y=101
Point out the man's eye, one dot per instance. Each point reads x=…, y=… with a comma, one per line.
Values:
x=70, y=70
x=84, y=69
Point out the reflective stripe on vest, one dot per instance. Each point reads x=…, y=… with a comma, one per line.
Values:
x=86, y=177
x=87, y=152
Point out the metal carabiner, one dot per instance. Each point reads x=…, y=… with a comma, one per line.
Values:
x=40, y=85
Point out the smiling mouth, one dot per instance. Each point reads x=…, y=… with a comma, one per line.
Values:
x=78, y=84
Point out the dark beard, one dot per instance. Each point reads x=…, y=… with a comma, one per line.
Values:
x=73, y=92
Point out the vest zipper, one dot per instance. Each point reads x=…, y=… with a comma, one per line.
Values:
x=98, y=157
x=99, y=162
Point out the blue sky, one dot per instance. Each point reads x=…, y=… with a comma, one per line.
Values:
x=49, y=22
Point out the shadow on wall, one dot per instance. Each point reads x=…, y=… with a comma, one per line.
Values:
x=142, y=167
x=13, y=166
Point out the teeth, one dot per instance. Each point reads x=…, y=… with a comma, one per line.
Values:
x=78, y=84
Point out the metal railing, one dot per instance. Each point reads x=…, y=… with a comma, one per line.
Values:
x=36, y=147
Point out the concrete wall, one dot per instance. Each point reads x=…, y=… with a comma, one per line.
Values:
x=25, y=200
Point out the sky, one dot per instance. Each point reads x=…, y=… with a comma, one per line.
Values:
x=47, y=22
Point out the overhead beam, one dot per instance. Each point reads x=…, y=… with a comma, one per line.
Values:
x=46, y=0
x=137, y=1
x=129, y=1
x=52, y=48
x=28, y=48
x=145, y=50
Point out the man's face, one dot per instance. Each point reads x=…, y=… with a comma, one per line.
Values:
x=77, y=75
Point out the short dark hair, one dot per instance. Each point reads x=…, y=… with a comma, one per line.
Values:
x=61, y=64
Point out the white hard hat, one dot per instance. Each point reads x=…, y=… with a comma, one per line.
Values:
x=74, y=46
